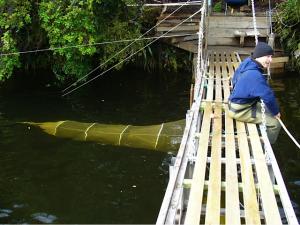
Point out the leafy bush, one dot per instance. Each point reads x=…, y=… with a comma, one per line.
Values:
x=14, y=16
x=288, y=27
x=217, y=7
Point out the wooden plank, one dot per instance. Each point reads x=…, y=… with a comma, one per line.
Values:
x=232, y=207
x=232, y=186
x=235, y=61
x=277, y=65
x=218, y=84
x=238, y=22
x=210, y=81
x=180, y=16
x=230, y=64
x=241, y=51
x=214, y=187
x=249, y=193
x=192, y=37
x=197, y=188
x=177, y=21
x=188, y=46
x=172, y=23
x=244, y=14
x=242, y=19
x=179, y=28
x=233, y=41
x=187, y=184
x=225, y=76
x=230, y=32
x=269, y=203
x=223, y=41
x=280, y=59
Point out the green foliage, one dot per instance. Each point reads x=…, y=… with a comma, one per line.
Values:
x=57, y=24
x=288, y=26
x=217, y=7
x=162, y=57
x=14, y=15
x=70, y=23
x=8, y=63
x=148, y=16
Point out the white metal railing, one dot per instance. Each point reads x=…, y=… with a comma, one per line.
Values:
x=172, y=201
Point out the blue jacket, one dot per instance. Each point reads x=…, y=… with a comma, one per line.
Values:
x=249, y=85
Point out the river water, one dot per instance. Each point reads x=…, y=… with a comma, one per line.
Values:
x=45, y=179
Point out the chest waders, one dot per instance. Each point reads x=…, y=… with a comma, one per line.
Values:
x=244, y=112
x=251, y=113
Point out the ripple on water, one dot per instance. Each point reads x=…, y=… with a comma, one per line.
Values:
x=18, y=206
x=44, y=217
x=297, y=182
x=5, y=213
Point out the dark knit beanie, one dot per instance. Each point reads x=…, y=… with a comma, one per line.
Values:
x=262, y=49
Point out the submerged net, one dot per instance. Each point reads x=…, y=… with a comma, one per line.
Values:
x=162, y=137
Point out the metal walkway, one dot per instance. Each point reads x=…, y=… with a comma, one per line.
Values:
x=225, y=171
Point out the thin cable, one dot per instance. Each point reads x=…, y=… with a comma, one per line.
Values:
x=270, y=17
x=288, y=133
x=95, y=44
x=130, y=55
x=254, y=22
x=122, y=50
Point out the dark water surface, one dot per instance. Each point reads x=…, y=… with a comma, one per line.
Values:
x=45, y=179
x=287, y=90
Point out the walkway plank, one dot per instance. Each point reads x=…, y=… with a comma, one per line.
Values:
x=232, y=206
x=232, y=213
x=218, y=84
x=264, y=181
x=230, y=64
x=235, y=62
x=214, y=185
x=196, y=193
x=210, y=81
x=225, y=77
x=249, y=192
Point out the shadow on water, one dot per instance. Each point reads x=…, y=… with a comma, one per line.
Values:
x=44, y=179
